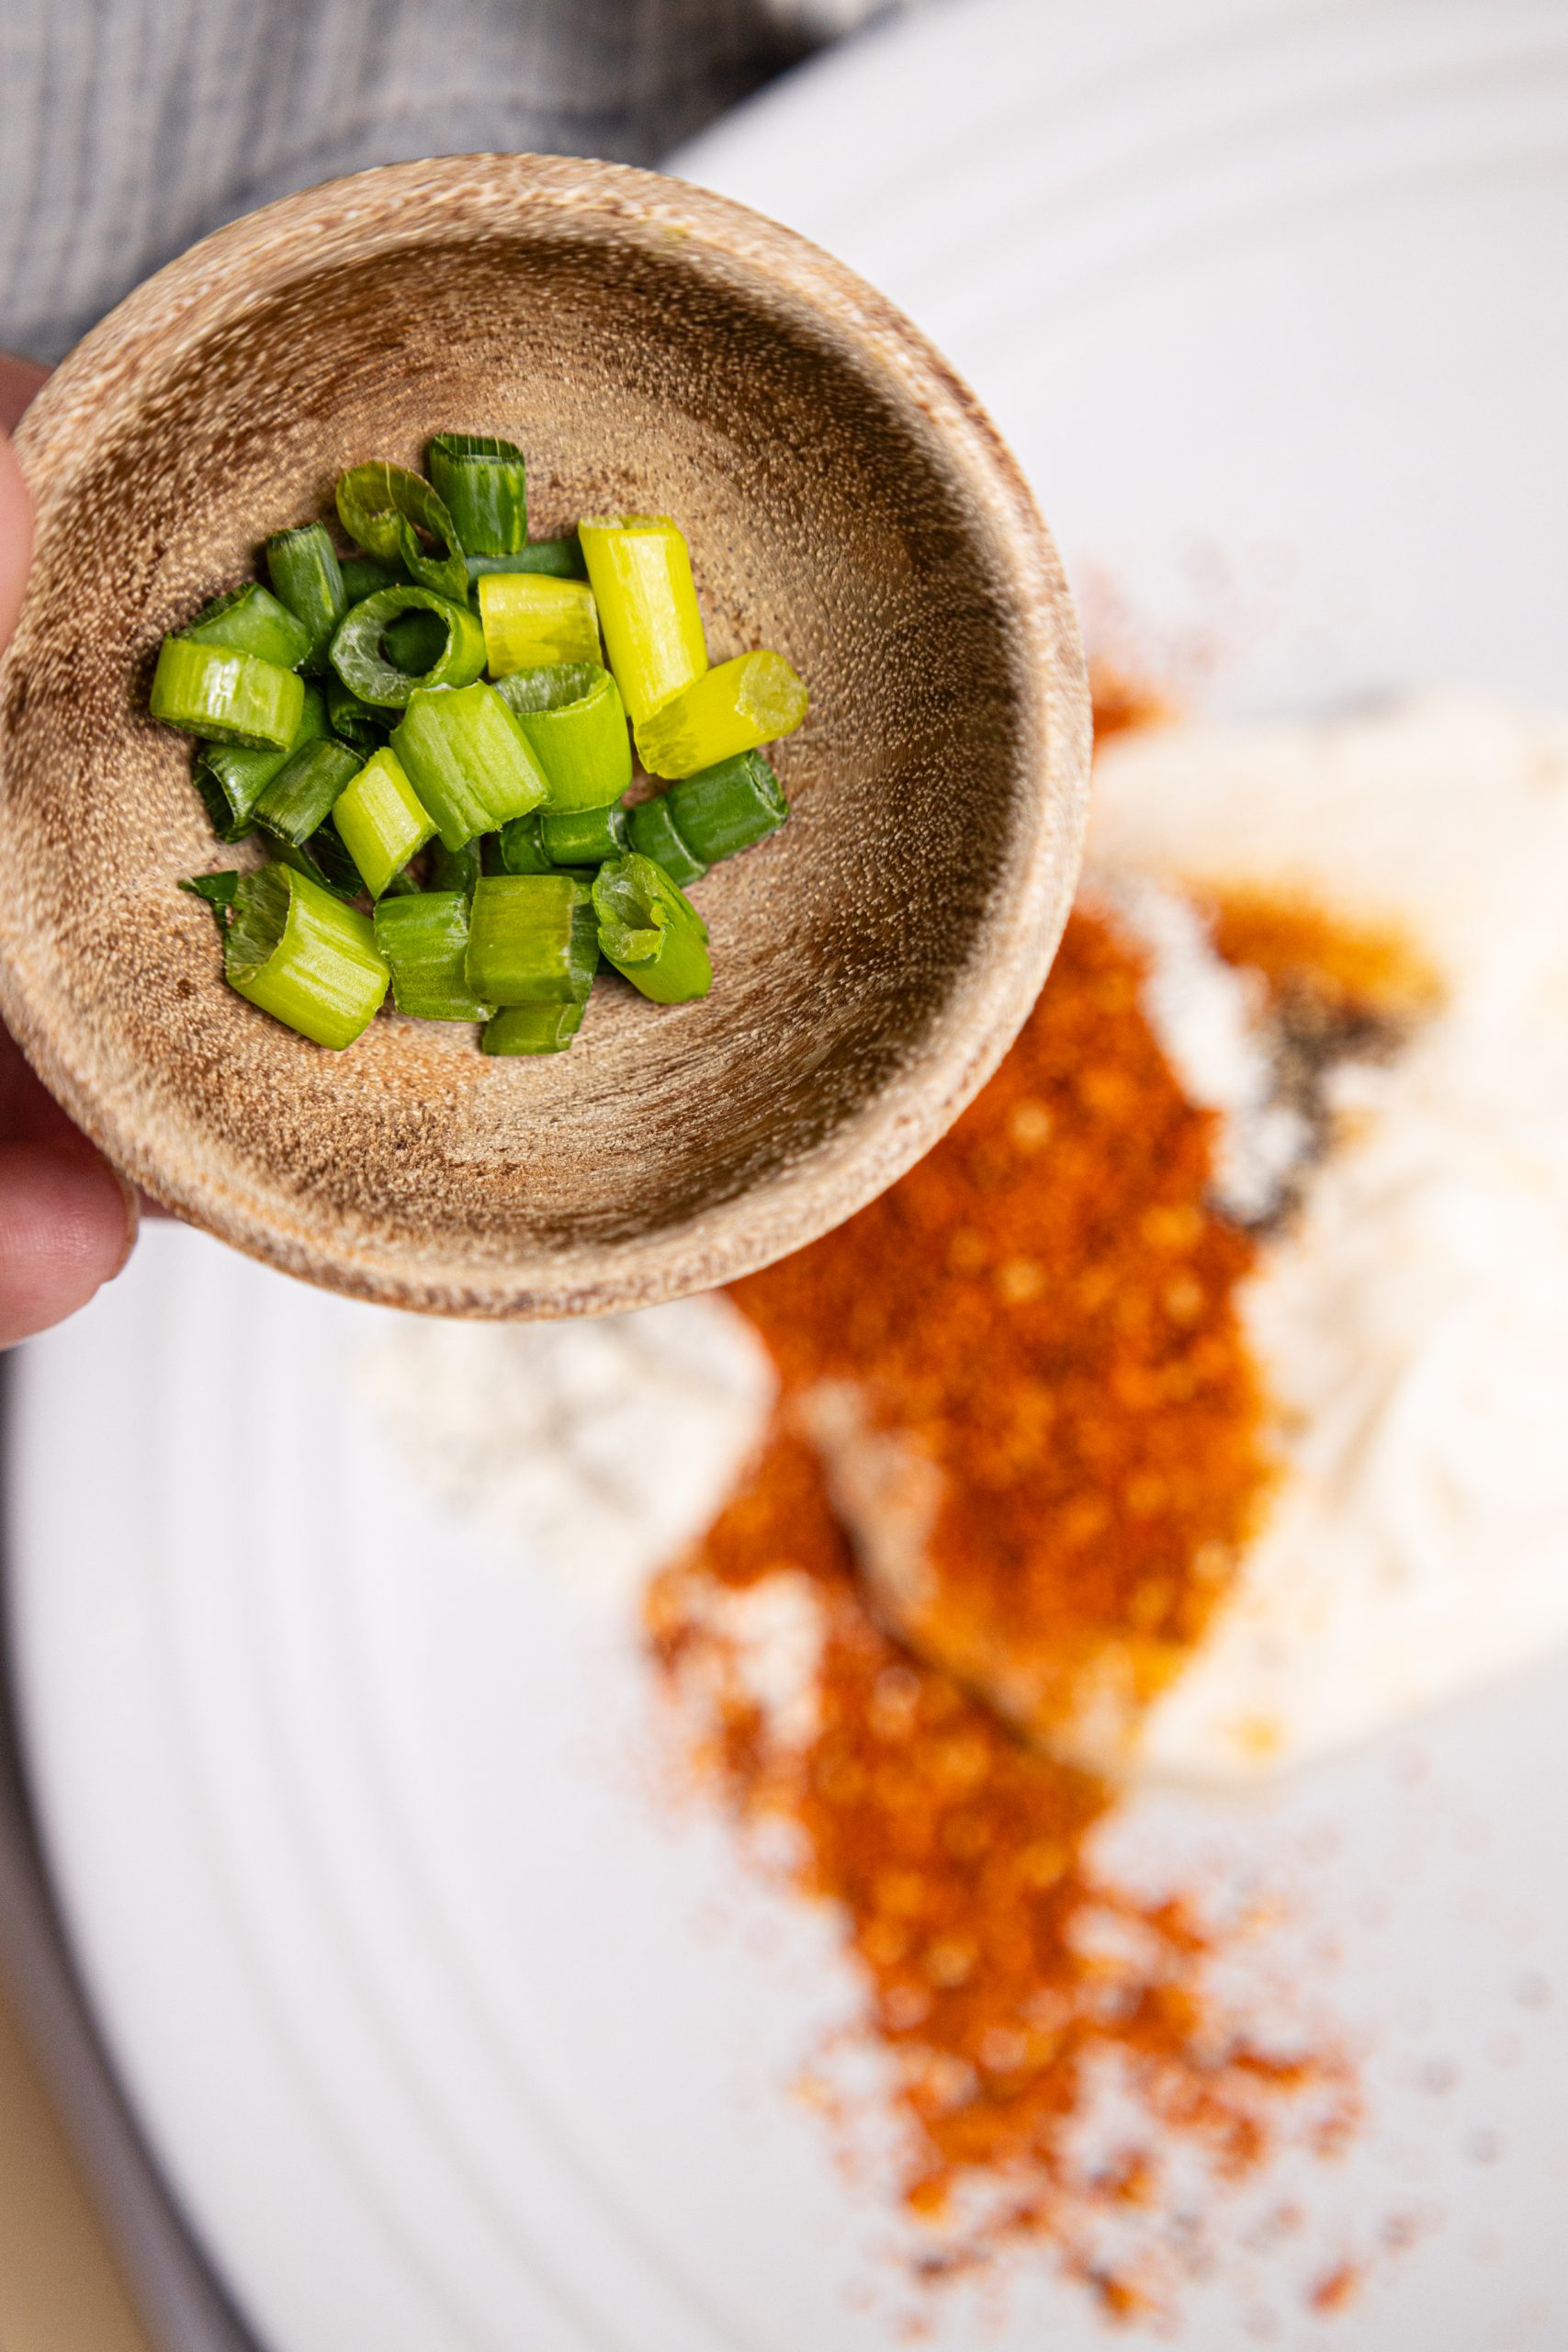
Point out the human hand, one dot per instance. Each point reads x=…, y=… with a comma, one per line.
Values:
x=67, y=1223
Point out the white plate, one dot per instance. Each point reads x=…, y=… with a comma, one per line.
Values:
x=450, y=2029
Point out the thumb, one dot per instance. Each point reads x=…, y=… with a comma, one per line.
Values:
x=16, y=539
x=66, y=1226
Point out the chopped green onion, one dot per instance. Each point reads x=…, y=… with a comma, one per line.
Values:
x=456, y=869
x=414, y=642
x=218, y=889
x=362, y=576
x=381, y=819
x=533, y=939
x=231, y=778
x=582, y=836
x=230, y=697
x=300, y=797
x=531, y=620
x=250, y=621
x=307, y=577
x=426, y=940
x=572, y=714
x=483, y=484
x=519, y=848
x=729, y=808
x=641, y=573
x=748, y=701
x=358, y=657
x=386, y=508
x=359, y=723
x=562, y=558
x=293, y=950
x=653, y=834
x=649, y=930
x=468, y=760
x=533, y=1029
x=324, y=859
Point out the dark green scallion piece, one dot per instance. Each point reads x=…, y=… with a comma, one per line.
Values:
x=652, y=932
x=519, y=848
x=307, y=577
x=424, y=939
x=362, y=576
x=533, y=1029
x=218, y=890
x=300, y=798
x=559, y=559
x=386, y=508
x=359, y=723
x=250, y=621
x=654, y=834
x=482, y=482
x=231, y=778
x=533, y=939
x=360, y=661
x=455, y=869
x=325, y=859
x=728, y=808
x=415, y=641
x=582, y=836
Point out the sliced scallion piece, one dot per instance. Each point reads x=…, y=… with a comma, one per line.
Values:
x=582, y=836
x=649, y=930
x=572, y=715
x=218, y=889
x=414, y=642
x=385, y=508
x=729, y=808
x=307, y=577
x=299, y=953
x=532, y=1028
x=250, y=621
x=362, y=576
x=751, y=700
x=325, y=859
x=533, y=939
x=363, y=724
x=562, y=558
x=483, y=484
x=467, y=759
x=300, y=798
x=424, y=939
x=455, y=869
x=229, y=697
x=381, y=819
x=531, y=620
x=654, y=833
x=519, y=848
x=641, y=574
x=231, y=778
x=360, y=663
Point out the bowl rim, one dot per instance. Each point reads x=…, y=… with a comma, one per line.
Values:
x=990, y=999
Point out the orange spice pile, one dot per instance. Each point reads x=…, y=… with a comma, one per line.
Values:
x=1044, y=1310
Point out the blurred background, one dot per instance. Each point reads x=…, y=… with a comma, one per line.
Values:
x=364, y=1981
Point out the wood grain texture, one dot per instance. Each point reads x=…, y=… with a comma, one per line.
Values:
x=652, y=348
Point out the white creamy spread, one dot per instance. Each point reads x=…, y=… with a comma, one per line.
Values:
x=1411, y=1320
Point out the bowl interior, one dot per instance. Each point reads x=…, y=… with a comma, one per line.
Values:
x=833, y=513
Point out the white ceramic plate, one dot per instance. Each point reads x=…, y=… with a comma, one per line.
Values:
x=453, y=2032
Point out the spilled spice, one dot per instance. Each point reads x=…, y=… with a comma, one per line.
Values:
x=1034, y=1341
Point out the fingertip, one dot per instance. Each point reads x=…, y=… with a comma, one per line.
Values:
x=16, y=539
x=67, y=1226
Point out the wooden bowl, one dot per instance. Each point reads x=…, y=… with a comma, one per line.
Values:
x=653, y=348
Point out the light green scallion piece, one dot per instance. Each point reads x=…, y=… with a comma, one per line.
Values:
x=652, y=932
x=386, y=508
x=424, y=939
x=307, y=577
x=483, y=483
x=572, y=715
x=533, y=939
x=382, y=821
x=229, y=698
x=533, y=1029
x=751, y=700
x=360, y=660
x=299, y=953
x=531, y=619
x=250, y=621
x=467, y=759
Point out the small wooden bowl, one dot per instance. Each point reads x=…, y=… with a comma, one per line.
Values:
x=653, y=348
